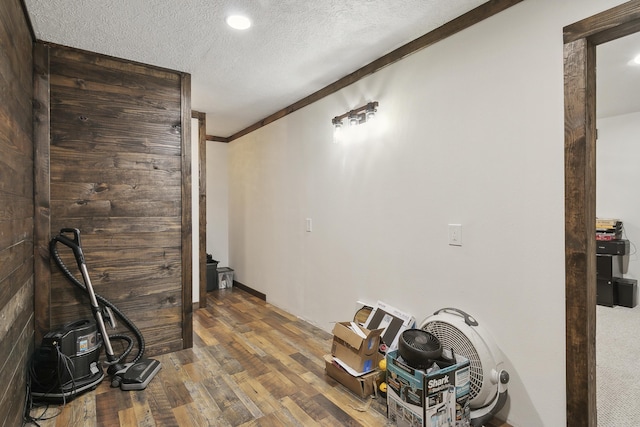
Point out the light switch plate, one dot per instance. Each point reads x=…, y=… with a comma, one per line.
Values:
x=455, y=234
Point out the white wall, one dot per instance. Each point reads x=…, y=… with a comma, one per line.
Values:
x=618, y=178
x=218, y=202
x=195, y=214
x=472, y=134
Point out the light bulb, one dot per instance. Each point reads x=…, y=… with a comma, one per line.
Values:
x=371, y=110
x=370, y=115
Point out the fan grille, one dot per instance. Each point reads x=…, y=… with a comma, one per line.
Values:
x=452, y=337
x=421, y=341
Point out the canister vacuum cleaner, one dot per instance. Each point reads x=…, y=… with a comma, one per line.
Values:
x=67, y=362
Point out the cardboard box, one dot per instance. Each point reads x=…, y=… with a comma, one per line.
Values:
x=362, y=386
x=360, y=353
x=420, y=399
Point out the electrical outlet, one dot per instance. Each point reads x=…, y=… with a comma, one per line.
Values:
x=308, y=225
x=455, y=234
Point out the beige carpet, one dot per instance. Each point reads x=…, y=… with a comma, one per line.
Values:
x=618, y=366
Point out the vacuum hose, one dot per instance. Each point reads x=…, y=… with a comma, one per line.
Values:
x=77, y=251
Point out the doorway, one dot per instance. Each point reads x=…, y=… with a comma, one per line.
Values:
x=580, y=41
x=617, y=153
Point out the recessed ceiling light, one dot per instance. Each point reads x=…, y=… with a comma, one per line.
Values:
x=238, y=22
x=636, y=60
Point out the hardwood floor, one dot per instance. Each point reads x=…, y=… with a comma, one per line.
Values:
x=252, y=364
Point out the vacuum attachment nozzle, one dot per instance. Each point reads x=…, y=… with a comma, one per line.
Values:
x=136, y=376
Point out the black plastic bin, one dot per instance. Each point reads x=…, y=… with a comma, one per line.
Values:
x=212, y=274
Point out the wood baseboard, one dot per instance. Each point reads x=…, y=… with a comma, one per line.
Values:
x=249, y=290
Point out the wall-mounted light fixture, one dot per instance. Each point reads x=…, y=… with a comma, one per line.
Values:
x=357, y=116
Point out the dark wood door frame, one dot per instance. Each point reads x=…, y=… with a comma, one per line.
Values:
x=580, y=41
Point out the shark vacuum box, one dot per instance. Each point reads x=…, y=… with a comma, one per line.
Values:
x=434, y=398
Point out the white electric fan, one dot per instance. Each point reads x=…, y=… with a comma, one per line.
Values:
x=460, y=332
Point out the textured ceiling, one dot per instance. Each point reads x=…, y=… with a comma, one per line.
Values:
x=294, y=48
